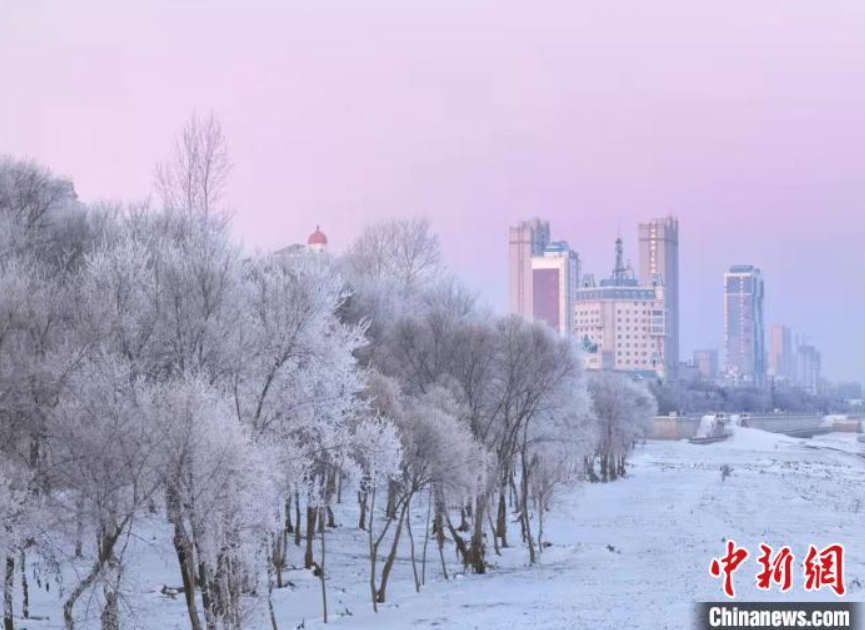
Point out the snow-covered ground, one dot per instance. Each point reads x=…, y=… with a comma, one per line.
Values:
x=631, y=554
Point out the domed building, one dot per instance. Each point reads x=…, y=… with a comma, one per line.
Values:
x=317, y=241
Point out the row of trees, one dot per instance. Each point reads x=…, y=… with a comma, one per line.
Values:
x=149, y=369
x=705, y=397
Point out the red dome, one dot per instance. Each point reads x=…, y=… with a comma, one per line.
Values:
x=317, y=238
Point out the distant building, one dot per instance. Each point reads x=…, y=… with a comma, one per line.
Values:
x=544, y=276
x=528, y=239
x=316, y=243
x=782, y=360
x=688, y=372
x=808, y=372
x=555, y=279
x=744, y=340
x=659, y=258
x=706, y=362
x=622, y=324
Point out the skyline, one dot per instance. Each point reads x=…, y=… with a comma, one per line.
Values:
x=745, y=122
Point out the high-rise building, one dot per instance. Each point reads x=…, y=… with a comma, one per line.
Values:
x=707, y=363
x=622, y=325
x=555, y=278
x=744, y=339
x=659, y=258
x=527, y=239
x=782, y=361
x=808, y=368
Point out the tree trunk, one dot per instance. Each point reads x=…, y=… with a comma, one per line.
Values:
x=79, y=534
x=463, y=549
x=183, y=550
x=502, y=519
x=464, y=524
x=390, y=510
x=8, y=586
x=391, y=557
x=321, y=571
x=270, y=609
x=104, y=557
x=526, y=513
x=289, y=528
x=439, y=527
x=373, y=550
x=426, y=535
x=541, y=509
x=361, y=500
x=411, y=547
x=110, y=618
x=278, y=548
x=493, y=530
x=590, y=469
x=308, y=558
x=205, y=584
x=477, y=550
x=25, y=587
x=297, y=518
x=219, y=594
x=527, y=525
x=278, y=557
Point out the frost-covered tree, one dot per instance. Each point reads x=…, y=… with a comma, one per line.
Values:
x=378, y=452
x=405, y=251
x=34, y=309
x=440, y=454
x=30, y=195
x=215, y=481
x=194, y=177
x=624, y=411
x=438, y=451
x=102, y=469
x=21, y=519
x=294, y=381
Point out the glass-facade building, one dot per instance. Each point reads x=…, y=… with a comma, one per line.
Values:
x=744, y=337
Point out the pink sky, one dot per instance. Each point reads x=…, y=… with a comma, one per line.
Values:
x=745, y=118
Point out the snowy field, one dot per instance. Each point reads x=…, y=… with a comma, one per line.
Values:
x=631, y=554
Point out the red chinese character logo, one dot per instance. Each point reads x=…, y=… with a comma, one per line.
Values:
x=728, y=564
x=825, y=568
x=777, y=569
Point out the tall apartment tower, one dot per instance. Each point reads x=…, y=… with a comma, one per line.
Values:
x=527, y=239
x=555, y=280
x=808, y=368
x=659, y=258
x=744, y=339
x=782, y=360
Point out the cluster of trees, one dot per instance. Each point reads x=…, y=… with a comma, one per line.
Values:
x=705, y=397
x=149, y=369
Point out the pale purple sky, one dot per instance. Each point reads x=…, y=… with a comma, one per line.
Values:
x=745, y=118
